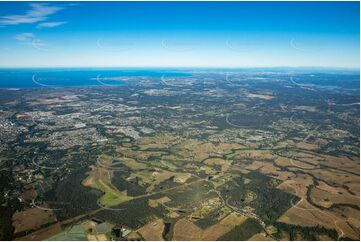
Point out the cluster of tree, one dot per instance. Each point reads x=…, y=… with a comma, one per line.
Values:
x=297, y=232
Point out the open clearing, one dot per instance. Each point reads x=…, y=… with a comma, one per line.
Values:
x=152, y=231
x=31, y=219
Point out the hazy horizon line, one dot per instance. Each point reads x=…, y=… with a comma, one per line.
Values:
x=182, y=67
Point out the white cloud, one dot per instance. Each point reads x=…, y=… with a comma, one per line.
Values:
x=39, y=44
x=25, y=37
x=30, y=39
x=38, y=12
x=50, y=24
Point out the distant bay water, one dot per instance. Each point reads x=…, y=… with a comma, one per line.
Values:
x=49, y=77
x=15, y=78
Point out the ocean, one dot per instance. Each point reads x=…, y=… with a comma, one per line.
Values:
x=61, y=77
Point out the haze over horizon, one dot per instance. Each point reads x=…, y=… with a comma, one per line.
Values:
x=180, y=34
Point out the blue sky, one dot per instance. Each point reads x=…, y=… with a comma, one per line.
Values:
x=179, y=34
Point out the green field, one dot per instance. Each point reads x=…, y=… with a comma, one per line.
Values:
x=75, y=233
x=111, y=197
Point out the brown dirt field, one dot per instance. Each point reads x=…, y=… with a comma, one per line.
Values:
x=208, y=170
x=282, y=161
x=347, y=227
x=105, y=159
x=352, y=217
x=325, y=195
x=173, y=158
x=43, y=234
x=189, y=149
x=198, y=150
x=194, y=149
x=144, y=155
x=186, y=230
x=152, y=231
x=91, y=237
x=239, y=169
x=260, y=237
x=300, y=215
x=274, y=172
x=134, y=236
x=297, y=185
x=309, y=157
x=182, y=177
x=32, y=218
x=324, y=186
x=306, y=215
x=159, y=141
x=162, y=176
x=354, y=187
x=173, y=215
x=156, y=202
x=334, y=177
x=348, y=231
x=270, y=170
x=255, y=165
x=283, y=144
x=129, y=158
x=168, y=165
x=102, y=237
x=323, y=237
x=223, y=227
x=88, y=182
x=255, y=154
x=88, y=224
x=98, y=237
x=98, y=172
x=28, y=195
x=217, y=161
x=131, y=163
x=306, y=146
x=344, y=163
